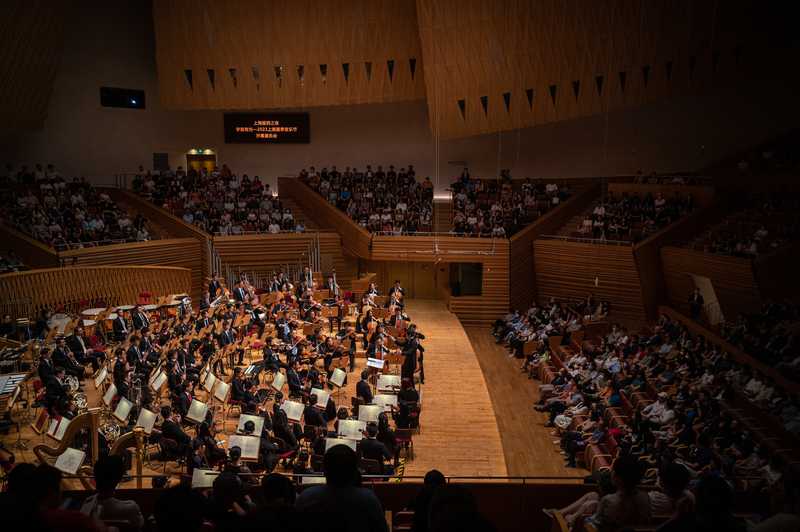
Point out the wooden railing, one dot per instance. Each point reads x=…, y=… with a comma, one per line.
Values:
x=33, y=253
x=355, y=239
x=522, y=282
x=73, y=288
x=177, y=252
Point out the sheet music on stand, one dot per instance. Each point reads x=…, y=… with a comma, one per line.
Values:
x=210, y=380
x=332, y=442
x=203, y=478
x=293, y=409
x=385, y=401
x=388, y=383
x=322, y=397
x=352, y=429
x=376, y=363
x=123, y=410
x=58, y=426
x=258, y=421
x=70, y=460
x=100, y=377
x=307, y=480
x=111, y=392
x=146, y=420
x=278, y=381
x=159, y=381
x=221, y=391
x=249, y=445
x=337, y=377
x=197, y=411
x=369, y=413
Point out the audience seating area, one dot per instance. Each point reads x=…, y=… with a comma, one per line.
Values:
x=501, y=207
x=627, y=218
x=220, y=202
x=379, y=200
x=65, y=214
x=662, y=396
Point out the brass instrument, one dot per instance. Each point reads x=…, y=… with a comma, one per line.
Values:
x=72, y=382
x=80, y=402
x=108, y=427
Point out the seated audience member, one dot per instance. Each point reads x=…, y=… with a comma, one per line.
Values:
x=172, y=513
x=453, y=508
x=713, y=510
x=103, y=506
x=433, y=480
x=628, y=506
x=340, y=499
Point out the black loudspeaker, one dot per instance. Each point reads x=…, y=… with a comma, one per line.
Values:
x=124, y=98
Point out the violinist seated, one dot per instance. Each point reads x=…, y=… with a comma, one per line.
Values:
x=293, y=379
x=62, y=356
x=183, y=398
x=174, y=377
x=271, y=360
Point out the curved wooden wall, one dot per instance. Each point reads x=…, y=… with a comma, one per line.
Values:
x=568, y=270
x=116, y=285
x=492, y=253
x=355, y=239
x=32, y=252
x=177, y=252
x=522, y=282
x=733, y=279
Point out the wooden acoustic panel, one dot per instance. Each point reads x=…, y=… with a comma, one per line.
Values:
x=569, y=270
x=67, y=287
x=178, y=252
x=732, y=277
x=507, y=64
x=253, y=54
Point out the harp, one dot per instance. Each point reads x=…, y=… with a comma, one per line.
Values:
x=88, y=420
x=131, y=440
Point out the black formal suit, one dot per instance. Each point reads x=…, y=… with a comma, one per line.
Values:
x=140, y=321
x=213, y=286
x=239, y=294
x=313, y=416
x=120, y=328
x=77, y=345
x=174, y=432
x=120, y=377
x=364, y=391
x=372, y=449
x=182, y=402
x=61, y=358
x=201, y=324
x=237, y=390
x=56, y=396
x=293, y=379
x=45, y=370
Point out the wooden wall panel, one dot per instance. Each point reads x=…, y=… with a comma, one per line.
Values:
x=170, y=223
x=733, y=279
x=492, y=253
x=355, y=239
x=522, y=282
x=25, y=293
x=476, y=49
x=255, y=37
x=179, y=252
x=32, y=252
x=266, y=253
x=30, y=51
x=568, y=270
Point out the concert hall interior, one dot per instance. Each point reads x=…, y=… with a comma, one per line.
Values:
x=412, y=265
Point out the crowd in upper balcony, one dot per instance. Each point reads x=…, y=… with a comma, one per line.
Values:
x=632, y=217
x=501, y=207
x=63, y=213
x=218, y=201
x=379, y=200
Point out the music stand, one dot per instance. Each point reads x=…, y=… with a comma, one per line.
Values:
x=322, y=397
x=111, y=392
x=385, y=401
x=388, y=383
x=123, y=410
x=332, y=442
x=369, y=413
x=70, y=460
x=352, y=429
x=209, y=381
x=258, y=421
x=159, y=381
x=203, y=478
x=293, y=409
x=58, y=426
x=146, y=420
x=197, y=412
x=278, y=380
x=221, y=391
x=102, y=373
x=250, y=445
